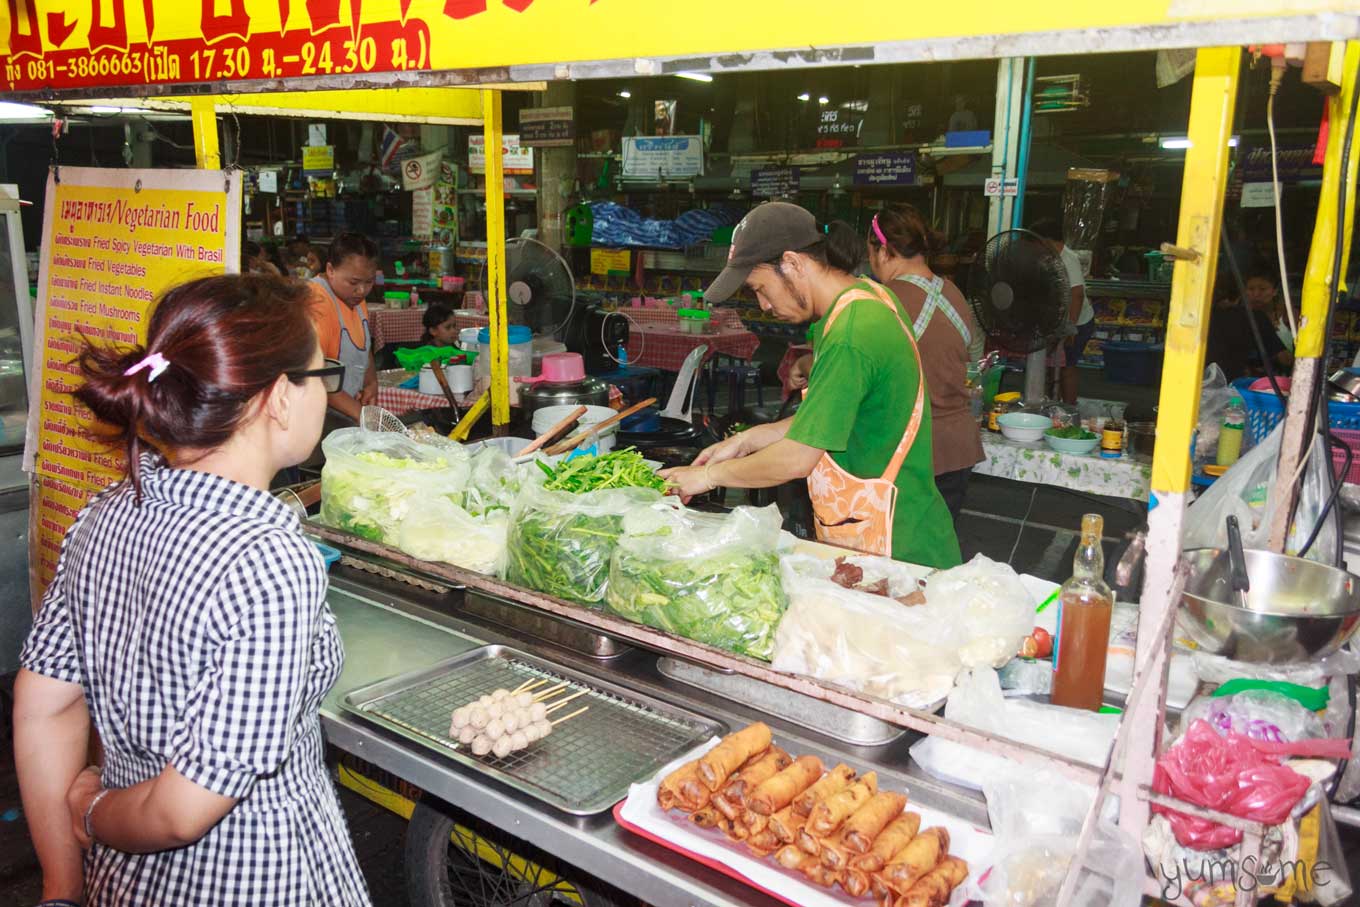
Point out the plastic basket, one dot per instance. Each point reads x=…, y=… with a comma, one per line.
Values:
x=1265, y=410
x=1351, y=438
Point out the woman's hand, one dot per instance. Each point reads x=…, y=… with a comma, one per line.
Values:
x=369, y=394
x=727, y=449
x=85, y=788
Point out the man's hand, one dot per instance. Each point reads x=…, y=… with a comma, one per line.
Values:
x=799, y=371
x=84, y=789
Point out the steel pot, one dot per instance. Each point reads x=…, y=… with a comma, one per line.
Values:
x=586, y=392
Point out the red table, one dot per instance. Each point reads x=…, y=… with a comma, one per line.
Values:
x=656, y=341
x=407, y=325
x=795, y=352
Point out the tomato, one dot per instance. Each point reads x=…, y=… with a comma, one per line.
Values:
x=1029, y=648
x=1043, y=641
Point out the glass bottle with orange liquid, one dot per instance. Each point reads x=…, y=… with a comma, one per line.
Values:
x=1085, y=603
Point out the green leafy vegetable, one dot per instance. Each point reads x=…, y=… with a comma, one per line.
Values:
x=731, y=599
x=1071, y=433
x=617, y=469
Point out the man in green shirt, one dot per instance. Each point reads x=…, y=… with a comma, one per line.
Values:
x=864, y=387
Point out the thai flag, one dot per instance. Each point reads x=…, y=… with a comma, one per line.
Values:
x=391, y=144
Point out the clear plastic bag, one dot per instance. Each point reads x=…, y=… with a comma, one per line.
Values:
x=985, y=609
x=373, y=481
x=1223, y=772
x=444, y=532
x=495, y=481
x=977, y=702
x=713, y=578
x=1249, y=491
x=869, y=643
x=561, y=543
x=1036, y=819
x=1258, y=715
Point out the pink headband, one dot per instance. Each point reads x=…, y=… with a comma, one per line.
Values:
x=155, y=362
x=878, y=231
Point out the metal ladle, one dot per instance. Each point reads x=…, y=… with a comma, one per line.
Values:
x=1241, y=582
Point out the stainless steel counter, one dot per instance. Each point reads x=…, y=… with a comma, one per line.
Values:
x=390, y=628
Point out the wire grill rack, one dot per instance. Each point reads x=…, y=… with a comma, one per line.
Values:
x=584, y=767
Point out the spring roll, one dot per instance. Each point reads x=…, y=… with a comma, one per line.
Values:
x=834, y=853
x=773, y=761
x=732, y=811
x=668, y=794
x=764, y=842
x=934, y=889
x=708, y=817
x=855, y=882
x=835, y=781
x=694, y=794
x=786, y=824
x=832, y=812
x=869, y=820
x=819, y=874
x=809, y=843
x=889, y=843
x=778, y=792
x=916, y=859
x=719, y=763
x=880, y=890
x=790, y=856
x=755, y=821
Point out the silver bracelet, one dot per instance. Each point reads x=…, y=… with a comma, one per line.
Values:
x=89, y=812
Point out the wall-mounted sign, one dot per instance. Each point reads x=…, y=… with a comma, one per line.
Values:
x=888, y=168
x=676, y=157
x=609, y=261
x=996, y=187
x=838, y=127
x=775, y=182
x=515, y=157
x=318, y=159
x=547, y=127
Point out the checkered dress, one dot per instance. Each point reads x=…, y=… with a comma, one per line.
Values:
x=197, y=623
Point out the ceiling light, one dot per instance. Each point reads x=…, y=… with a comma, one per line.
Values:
x=1181, y=143
x=695, y=76
x=9, y=110
x=100, y=108
x=823, y=100
x=805, y=97
x=625, y=93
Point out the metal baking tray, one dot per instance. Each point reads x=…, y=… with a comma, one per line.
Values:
x=838, y=723
x=530, y=621
x=584, y=767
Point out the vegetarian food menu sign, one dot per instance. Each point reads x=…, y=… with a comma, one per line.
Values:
x=113, y=241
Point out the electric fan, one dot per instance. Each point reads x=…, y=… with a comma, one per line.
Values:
x=539, y=289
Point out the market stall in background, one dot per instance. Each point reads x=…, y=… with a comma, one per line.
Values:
x=543, y=647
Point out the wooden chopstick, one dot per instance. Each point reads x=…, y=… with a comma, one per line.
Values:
x=575, y=441
x=553, y=432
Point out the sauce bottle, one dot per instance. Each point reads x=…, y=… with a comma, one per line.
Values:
x=1230, y=435
x=1085, y=603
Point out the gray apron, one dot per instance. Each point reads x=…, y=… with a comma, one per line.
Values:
x=354, y=358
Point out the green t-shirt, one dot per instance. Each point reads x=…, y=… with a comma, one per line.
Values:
x=861, y=393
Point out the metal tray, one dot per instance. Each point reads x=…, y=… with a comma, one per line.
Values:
x=838, y=723
x=583, y=768
x=539, y=625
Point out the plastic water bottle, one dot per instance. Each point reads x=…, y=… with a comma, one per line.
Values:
x=1230, y=435
x=623, y=357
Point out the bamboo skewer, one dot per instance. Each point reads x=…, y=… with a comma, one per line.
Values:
x=561, y=702
x=584, y=708
x=548, y=692
x=529, y=685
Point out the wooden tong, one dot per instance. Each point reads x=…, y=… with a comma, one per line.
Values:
x=575, y=440
x=551, y=434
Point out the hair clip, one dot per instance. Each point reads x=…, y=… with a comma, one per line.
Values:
x=153, y=361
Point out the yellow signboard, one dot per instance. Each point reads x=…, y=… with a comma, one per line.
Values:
x=609, y=261
x=65, y=44
x=113, y=241
x=318, y=158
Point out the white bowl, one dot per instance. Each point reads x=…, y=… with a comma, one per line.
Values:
x=459, y=376
x=549, y=416
x=1024, y=426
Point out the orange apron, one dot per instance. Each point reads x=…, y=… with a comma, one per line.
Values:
x=850, y=511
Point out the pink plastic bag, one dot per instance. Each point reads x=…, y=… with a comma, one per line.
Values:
x=1226, y=773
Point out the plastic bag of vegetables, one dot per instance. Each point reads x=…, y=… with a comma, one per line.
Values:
x=713, y=578
x=564, y=528
x=441, y=531
x=373, y=480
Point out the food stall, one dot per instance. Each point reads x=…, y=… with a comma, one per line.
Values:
x=402, y=614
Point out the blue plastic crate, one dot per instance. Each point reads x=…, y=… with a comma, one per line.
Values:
x=1265, y=411
x=328, y=554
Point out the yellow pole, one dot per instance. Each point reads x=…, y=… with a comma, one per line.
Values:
x=1206, y=176
x=495, y=259
x=207, y=152
x=1317, y=289
x=1310, y=349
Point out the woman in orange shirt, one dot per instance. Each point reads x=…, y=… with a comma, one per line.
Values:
x=341, y=318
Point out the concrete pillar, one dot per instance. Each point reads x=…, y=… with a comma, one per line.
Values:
x=556, y=172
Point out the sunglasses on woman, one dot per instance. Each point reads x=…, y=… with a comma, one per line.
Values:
x=332, y=375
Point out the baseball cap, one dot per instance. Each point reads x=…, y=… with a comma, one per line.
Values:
x=763, y=235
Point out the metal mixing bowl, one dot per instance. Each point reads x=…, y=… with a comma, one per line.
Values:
x=1296, y=610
